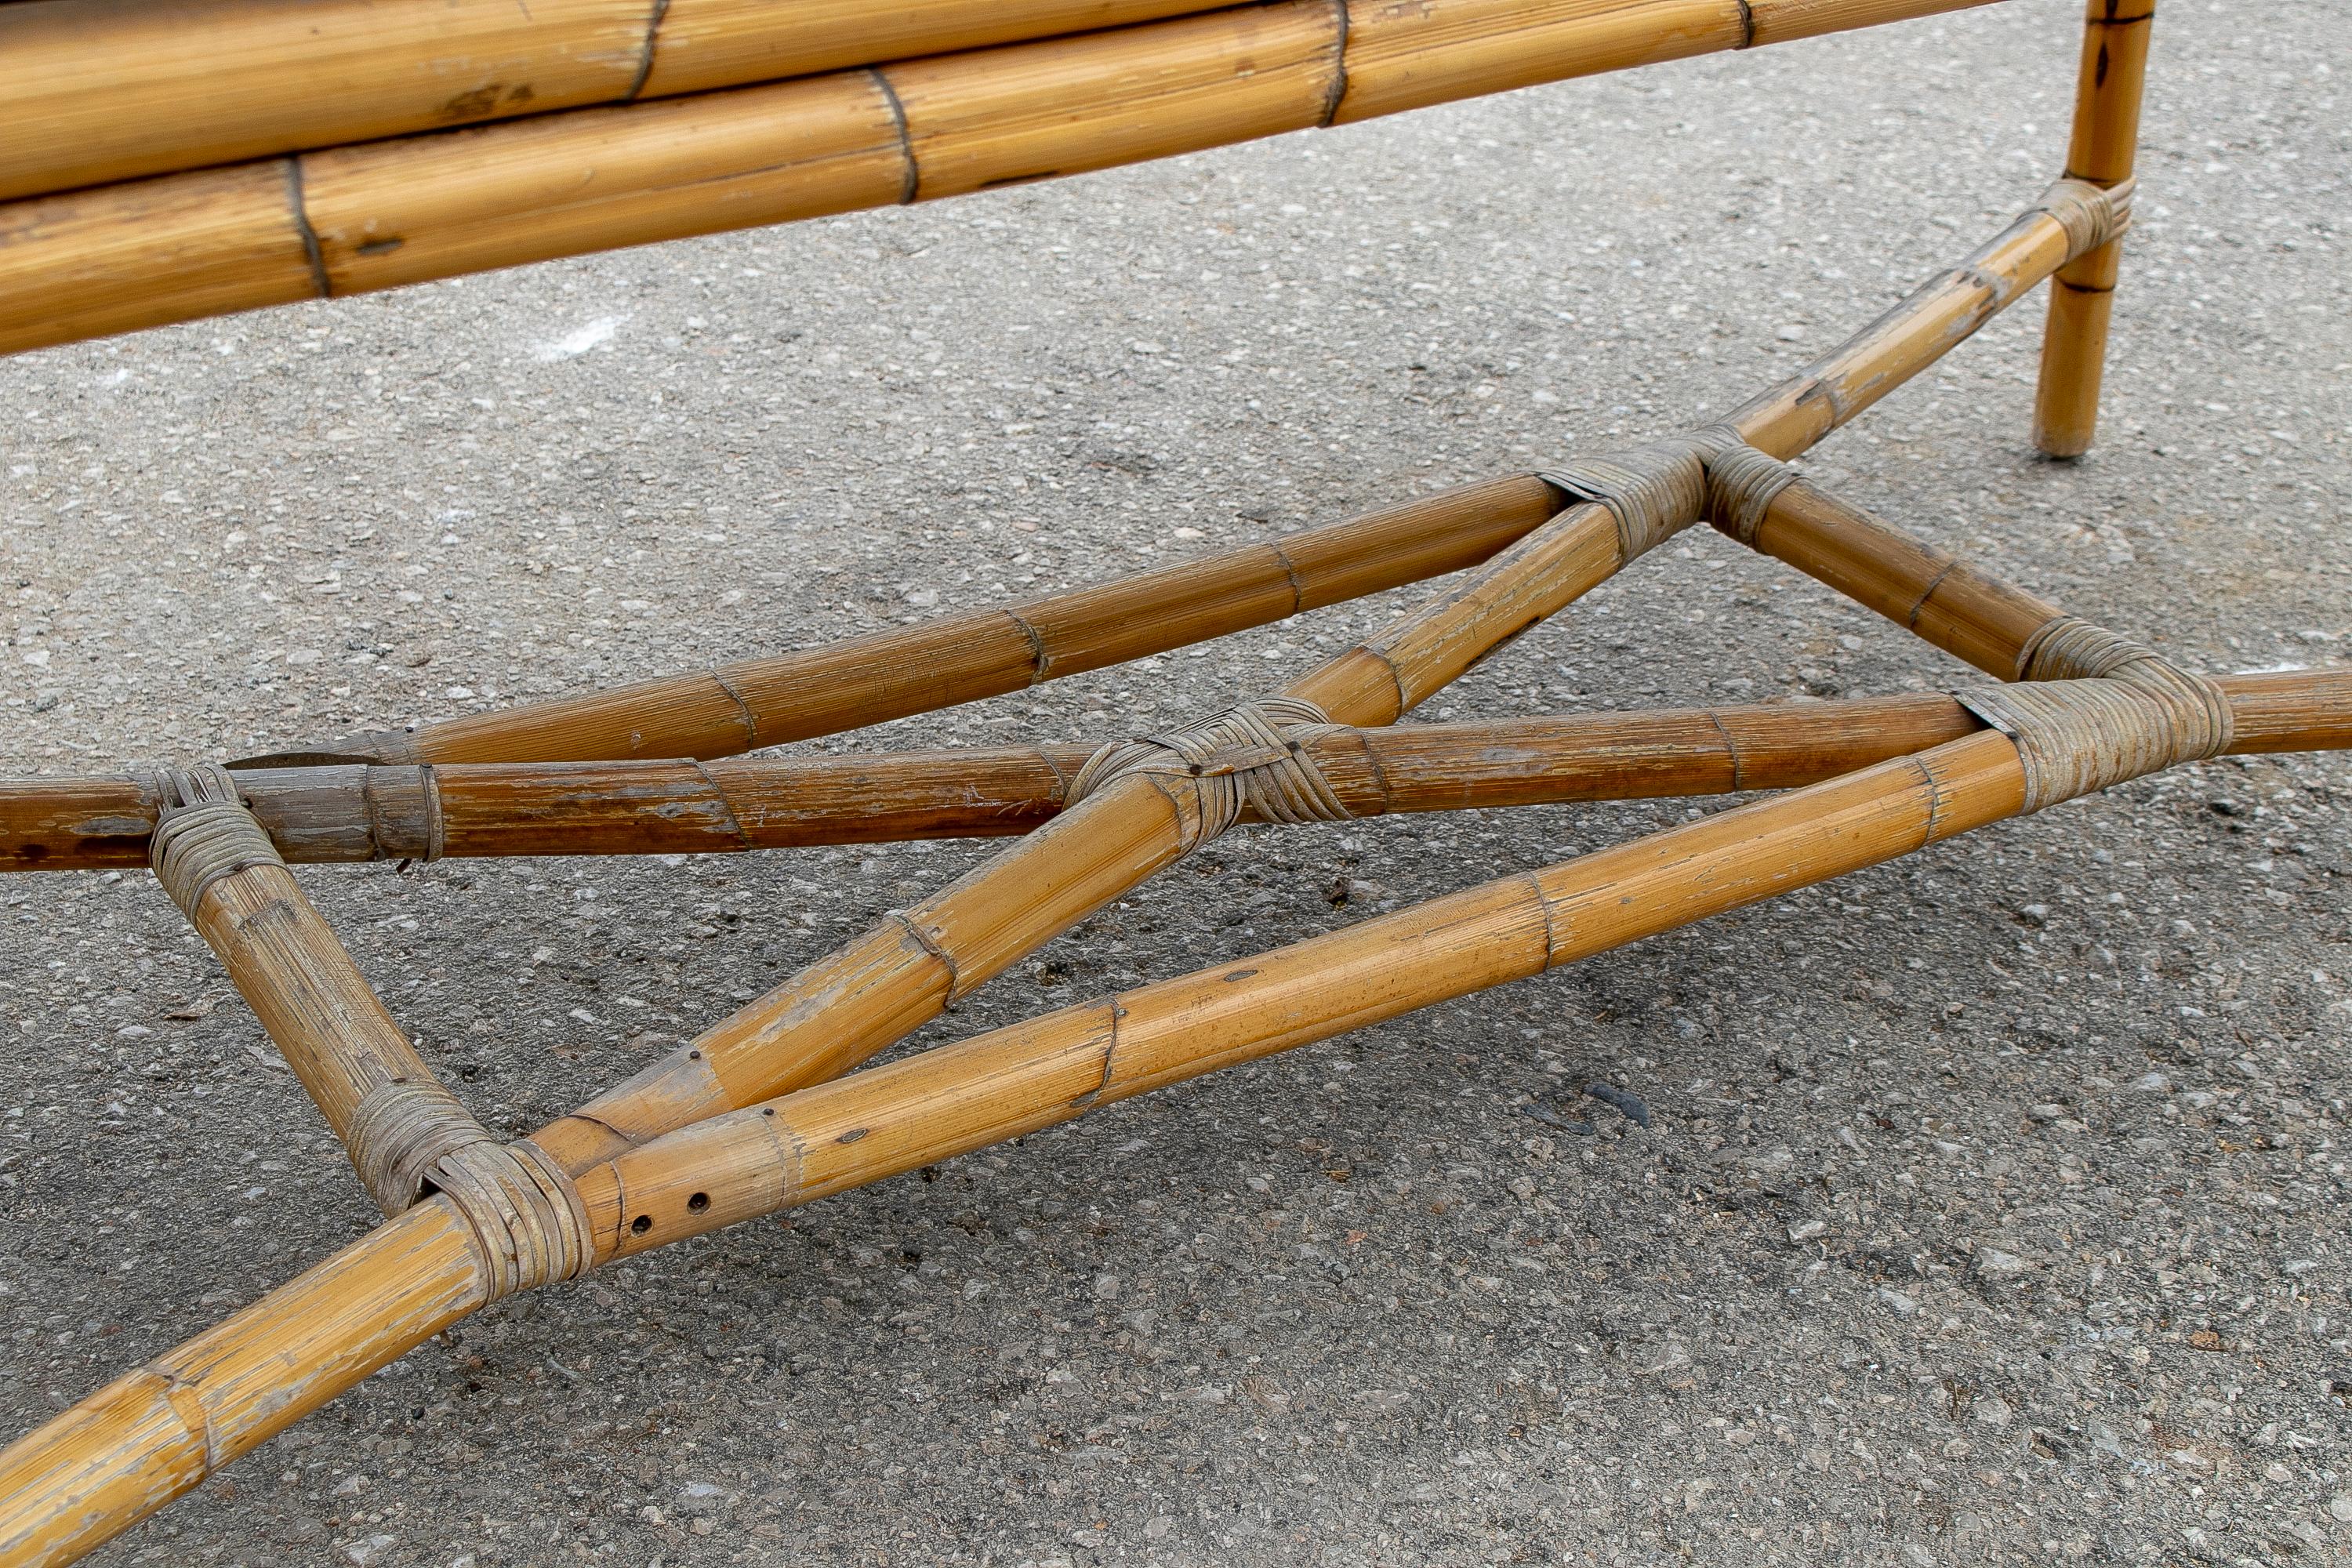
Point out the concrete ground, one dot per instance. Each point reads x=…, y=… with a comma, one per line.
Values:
x=1991, y=1205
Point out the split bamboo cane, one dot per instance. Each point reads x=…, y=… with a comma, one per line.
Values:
x=881, y=985
x=743, y=706
x=129, y=1448
x=93, y=92
x=349, y=220
x=472, y=810
x=2113, y=76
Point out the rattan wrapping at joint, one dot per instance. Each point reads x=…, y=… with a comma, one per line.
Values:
x=1249, y=756
x=2095, y=708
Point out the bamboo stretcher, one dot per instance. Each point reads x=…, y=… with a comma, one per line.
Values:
x=770, y=1108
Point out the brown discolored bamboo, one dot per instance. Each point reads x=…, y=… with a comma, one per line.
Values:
x=2101, y=150
x=471, y=810
x=841, y=1009
x=985, y=653
x=127, y=1450
x=378, y=215
x=1966, y=612
x=99, y=91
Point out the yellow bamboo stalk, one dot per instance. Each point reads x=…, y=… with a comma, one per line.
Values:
x=352, y=219
x=480, y=809
x=93, y=92
x=752, y=703
x=1946, y=601
x=2105, y=140
x=342, y=1043
x=1011, y=1082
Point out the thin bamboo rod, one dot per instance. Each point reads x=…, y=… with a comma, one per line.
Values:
x=961, y=658
x=349, y=220
x=471, y=810
x=93, y=92
x=128, y=1450
x=2111, y=81
x=1943, y=599
x=841, y=1009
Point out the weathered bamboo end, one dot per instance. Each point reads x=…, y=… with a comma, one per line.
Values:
x=2101, y=150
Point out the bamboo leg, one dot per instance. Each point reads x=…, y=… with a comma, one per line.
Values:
x=2105, y=137
x=741, y=803
x=129, y=1448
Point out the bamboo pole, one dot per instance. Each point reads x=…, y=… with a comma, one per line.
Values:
x=2113, y=76
x=481, y=809
x=352, y=219
x=961, y=658
x=1943, y=599
x=93, y=92
x=841, y=1009
x=128, y=1450
x=1011, y=1081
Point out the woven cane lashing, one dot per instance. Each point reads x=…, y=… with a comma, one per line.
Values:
x=1248, y=756
x=2096, y=708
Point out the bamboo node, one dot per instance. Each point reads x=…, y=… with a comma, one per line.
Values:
x=1247, y=757
x=2095, y=708
x=2092, y=214
x=203, y=834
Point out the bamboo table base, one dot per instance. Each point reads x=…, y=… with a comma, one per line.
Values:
x=766, y=1111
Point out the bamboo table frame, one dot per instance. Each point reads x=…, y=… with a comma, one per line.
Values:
x=764, y=1110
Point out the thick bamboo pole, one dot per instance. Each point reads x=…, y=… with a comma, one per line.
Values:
x=93, y=92
x=961, y=658
x=128, y=1450
x=2105, y=140
x=356, y=813
x=348, y=219
x=850, y=1004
